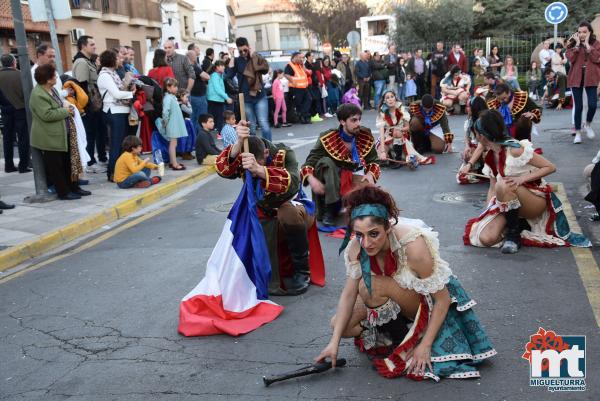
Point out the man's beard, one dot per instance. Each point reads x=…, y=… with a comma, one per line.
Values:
x=353, y=131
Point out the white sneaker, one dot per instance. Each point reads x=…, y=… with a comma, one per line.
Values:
x=577, y=138
x=589, y=132
x=328, y=115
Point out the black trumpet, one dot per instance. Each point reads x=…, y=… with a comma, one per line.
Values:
x=305, y=371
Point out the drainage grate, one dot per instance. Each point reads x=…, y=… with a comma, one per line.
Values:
x=477, y=200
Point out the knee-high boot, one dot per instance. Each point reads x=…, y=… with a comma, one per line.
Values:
x=397, y=155
x=512, y=243
x=297, y=242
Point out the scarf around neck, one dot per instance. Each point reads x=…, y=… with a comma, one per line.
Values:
x=354, y=149
x=506, y=113
x=366, y=209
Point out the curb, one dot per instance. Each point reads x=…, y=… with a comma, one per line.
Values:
x=33, y=248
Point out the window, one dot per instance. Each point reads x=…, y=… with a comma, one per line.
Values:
x=376, y=28
x=290, y=38
x=186, y=25
x=259, y=39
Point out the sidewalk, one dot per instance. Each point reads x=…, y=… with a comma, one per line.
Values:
x=30, y=229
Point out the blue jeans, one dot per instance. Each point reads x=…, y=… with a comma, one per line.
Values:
x=260, y=110
x=590, y=91
x=401, y=92
x=119, y=127
x=134, y=178
x=199, y=107
x=514, y=84
x=379, y=89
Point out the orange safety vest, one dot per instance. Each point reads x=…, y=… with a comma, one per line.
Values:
x=299, y=79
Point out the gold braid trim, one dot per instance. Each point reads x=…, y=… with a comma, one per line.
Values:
x=336, y=148
x=519, y=102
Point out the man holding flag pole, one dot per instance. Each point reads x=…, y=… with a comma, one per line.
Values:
x=286, y=216
x=249, y=261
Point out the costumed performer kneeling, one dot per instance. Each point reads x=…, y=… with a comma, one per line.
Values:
x=392, y=123
x=395, y=267
x=277, y=168
x=429, y=128
x=472, y=156
x=341, y=159
x=517, y=191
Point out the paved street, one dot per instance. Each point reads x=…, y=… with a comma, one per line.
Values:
x=101, y=323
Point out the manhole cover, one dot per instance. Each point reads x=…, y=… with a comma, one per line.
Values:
x=477, y=200
x=222, y=207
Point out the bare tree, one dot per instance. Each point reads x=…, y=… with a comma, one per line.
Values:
x=330, y=20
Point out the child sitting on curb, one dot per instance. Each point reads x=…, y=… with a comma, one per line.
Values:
x=130, y=170
x=205, y=144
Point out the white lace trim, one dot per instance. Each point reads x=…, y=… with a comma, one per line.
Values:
x=460, y=357
x=383, y=314
x=429, y=375
x=441, y=270
x=465, y=375
x=380, y=121
x=487, y=171
x=510, y=205
x=462, y=308
x=353, y=269
x=524, y=158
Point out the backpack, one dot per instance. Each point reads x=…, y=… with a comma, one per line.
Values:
x=94, y=98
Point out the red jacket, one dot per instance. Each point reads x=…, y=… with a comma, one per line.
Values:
x=327, y=73
x=462, y=63
x=578, y=56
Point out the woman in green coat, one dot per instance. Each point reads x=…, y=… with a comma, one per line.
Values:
x=53, y=133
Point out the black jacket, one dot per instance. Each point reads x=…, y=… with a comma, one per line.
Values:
x=438, y=63
x=379, y=71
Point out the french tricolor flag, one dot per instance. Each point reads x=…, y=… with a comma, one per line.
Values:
x=232, y=298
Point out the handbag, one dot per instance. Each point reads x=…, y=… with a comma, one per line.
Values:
x=95, y=100
x=324, y=93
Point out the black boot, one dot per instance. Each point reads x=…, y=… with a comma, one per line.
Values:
x=512, y=243
x=397, y=156
x=297, y=242
x=329, y=215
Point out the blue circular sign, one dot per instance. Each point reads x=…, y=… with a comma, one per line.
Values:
x=556, y=12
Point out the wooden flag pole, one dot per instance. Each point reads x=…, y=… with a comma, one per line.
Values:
x=243, y=118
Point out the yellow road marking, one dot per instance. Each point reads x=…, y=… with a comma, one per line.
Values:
x=95, y=241
x=586, y=263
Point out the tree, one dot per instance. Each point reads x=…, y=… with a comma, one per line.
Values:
x=447, y=20
x=330, y=20
x=526, y=16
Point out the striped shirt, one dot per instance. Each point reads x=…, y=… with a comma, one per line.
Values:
x=229, y=135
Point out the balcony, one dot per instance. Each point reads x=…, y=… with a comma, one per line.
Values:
x=89, y=9
x=115, y=11
x=137, y=13
x=154, y=15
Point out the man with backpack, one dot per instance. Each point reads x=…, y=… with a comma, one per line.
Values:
x=86, y=73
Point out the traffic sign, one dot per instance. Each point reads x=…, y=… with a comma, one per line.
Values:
x=556, y=12
x=353, y=38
